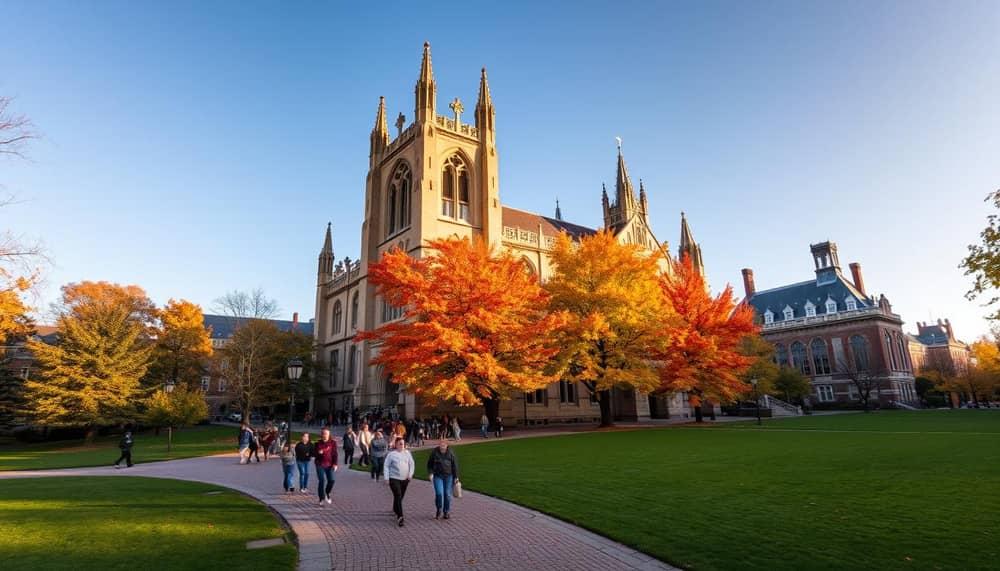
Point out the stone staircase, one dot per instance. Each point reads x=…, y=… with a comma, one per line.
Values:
x=779, y=407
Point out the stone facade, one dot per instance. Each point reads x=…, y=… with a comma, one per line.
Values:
x=834, y=332
x=439, y=177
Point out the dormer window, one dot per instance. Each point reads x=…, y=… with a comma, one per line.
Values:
x=789, y=313
x=851, y=304
x=768, y=317
x=831, y=306
x=810, y=309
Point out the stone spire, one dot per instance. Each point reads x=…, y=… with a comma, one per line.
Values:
x=689, y=247
x=624, y=193
x=485, y=113
x=380, y=132
x=558, y=211
x=426, y=90
x=643, y=204
x=325, y=270
x=606, y=204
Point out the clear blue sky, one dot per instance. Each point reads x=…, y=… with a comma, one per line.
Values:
x=194, y=148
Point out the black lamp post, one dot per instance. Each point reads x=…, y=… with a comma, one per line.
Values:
x=169, y=388
x=294, y=370
x=756, y=398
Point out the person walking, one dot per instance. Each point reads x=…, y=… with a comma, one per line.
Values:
x=326, y=464
x=498, y=426
x=365, y=442
x=254, y=446
x=288, y=466
x=443, y=469
x=125, y=445
x=456, y=428
x=246, y=437
x=303, y=453
x=399, y=471
x=484, y=426
x=350, y=441
x=379, y=450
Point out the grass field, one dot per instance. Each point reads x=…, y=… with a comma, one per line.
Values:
x=887, y=490
x=133, y=523
x=187, y=443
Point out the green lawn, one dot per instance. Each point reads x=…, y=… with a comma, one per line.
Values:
x=133, y=523
x=887, y=490
x=187, y=443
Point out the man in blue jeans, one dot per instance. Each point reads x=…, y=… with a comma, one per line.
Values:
x=303, y=454
x=443, y=468
x=325, y=453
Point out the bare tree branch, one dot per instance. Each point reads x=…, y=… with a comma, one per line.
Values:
x=15, y=130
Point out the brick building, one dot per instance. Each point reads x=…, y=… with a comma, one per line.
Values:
x=834, y=332
x=18, y=359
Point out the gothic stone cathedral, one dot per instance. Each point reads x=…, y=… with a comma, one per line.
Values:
x=438, y=177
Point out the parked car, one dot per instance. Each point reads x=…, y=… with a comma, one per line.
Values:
x=235, y=417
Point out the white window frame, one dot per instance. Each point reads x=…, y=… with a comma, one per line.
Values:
x=788, y=313
x=768, y=317
x=810, y=309
x=25, y=371
x=851, y=304
x=825, y=393
x=221, y=386
x=206, y=382
x=831, y=306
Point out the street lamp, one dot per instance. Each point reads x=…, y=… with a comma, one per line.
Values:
x=169, y=388
x=293, y=370
x=756, y=399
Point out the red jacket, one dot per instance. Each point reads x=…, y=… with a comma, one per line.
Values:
x=326, y=453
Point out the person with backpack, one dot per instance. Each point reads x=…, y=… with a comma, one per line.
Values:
x=350, y=441
x=443, y=469
x=125, y=445
x=288, y=466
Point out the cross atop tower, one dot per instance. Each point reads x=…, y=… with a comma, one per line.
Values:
x=400, y=122
x=456, y=107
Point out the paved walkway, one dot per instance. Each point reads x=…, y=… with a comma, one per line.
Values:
x=359, y=532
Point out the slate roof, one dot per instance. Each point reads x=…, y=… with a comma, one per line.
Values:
x=550, y=226
x=932, y=335
x=222, y=325
x=796, y=295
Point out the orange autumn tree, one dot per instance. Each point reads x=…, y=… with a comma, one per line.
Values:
x=610, y=291
x=476, y=325
x=701, y=351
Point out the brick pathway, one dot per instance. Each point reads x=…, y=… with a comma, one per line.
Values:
x=359, y=532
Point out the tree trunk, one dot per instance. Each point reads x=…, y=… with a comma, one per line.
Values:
x=89, y=436
x=604, y=398
x=697, y=414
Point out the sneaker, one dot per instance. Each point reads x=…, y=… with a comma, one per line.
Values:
x=117, y=466
x=446, y=516
x=305, y=491
x=437, y=515
x=321, y=502
x=399, y=520
x=328, y=500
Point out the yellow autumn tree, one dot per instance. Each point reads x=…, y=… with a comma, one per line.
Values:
x=183, y=344
x=611, y=293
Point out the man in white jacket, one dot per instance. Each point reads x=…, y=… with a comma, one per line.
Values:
x=398, y=471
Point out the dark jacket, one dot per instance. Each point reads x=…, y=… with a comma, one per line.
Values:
x=304, y=452
x=126, y=442
x=326, y=453
x=442, y=463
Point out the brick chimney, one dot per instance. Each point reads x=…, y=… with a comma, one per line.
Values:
x=947, y=328
x=859, y=282
x=748, y=285
x=295, y=321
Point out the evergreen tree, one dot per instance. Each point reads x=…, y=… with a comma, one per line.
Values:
x=11, y=394
x=91, y=378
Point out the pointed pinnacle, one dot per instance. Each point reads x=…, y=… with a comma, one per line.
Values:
x=426, y=71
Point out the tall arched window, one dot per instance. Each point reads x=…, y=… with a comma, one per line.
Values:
x=903, y=353
x=780, y=355
x=352, y=365
x=821, y=357
x=859, y=350
x=397, y=205
x=799, y=358
x=455, y=187
x=890, y=349
x=354, y=311
x=338, y=317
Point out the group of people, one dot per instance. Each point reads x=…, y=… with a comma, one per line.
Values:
x=270, y=439
x=389, y=460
